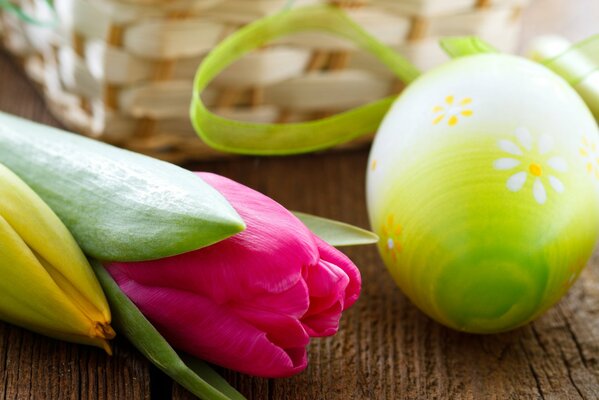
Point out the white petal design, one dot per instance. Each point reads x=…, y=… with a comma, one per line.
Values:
x=546, y=144
x=539, y=192
x=558, y=164
x=516, y=181
x=524, y=137
x=510, y=147
x=556, y=184
x=506, y=163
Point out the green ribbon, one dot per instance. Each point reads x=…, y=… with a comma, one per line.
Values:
x=282, y=139
x=18, y=11
x=578, y=65
x=578, y=62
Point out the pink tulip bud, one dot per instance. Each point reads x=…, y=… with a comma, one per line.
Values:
x=250, y=302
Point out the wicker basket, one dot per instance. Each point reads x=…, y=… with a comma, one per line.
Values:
x=122, y=71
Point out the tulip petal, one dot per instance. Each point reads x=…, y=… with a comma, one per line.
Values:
x=330, y=285
x=282, y=330
x=294, y=302
x=335, y=257
x=326, y=280
x=30, y=297
x=278, y=315
x=210, y=331
x=327, y=284
x=325, y=323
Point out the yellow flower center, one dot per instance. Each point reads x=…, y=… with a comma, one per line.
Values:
x=535, y=169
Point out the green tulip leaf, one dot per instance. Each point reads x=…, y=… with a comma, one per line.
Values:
x=462, y=46
x=280, y=139
x=191, y=373
x=119, y=205
x=337, y=233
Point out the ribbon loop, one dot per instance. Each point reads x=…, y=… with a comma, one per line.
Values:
x=578, y=64
x=280, y=139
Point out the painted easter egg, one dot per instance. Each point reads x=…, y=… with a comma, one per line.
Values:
x=483, y=185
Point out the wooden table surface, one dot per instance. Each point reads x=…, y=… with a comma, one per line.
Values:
x=386, y=348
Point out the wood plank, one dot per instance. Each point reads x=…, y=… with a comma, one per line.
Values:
x=35, y=367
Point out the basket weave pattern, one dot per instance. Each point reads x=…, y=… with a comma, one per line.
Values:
x=122, y=71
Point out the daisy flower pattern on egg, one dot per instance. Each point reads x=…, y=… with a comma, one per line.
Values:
x=391, y=235
x=452, y=110
x=532, y=159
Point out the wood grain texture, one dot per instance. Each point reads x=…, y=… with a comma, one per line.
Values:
x=34, y=367
x=386, y=348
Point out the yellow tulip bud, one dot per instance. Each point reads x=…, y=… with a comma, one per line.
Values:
x=47, y=284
